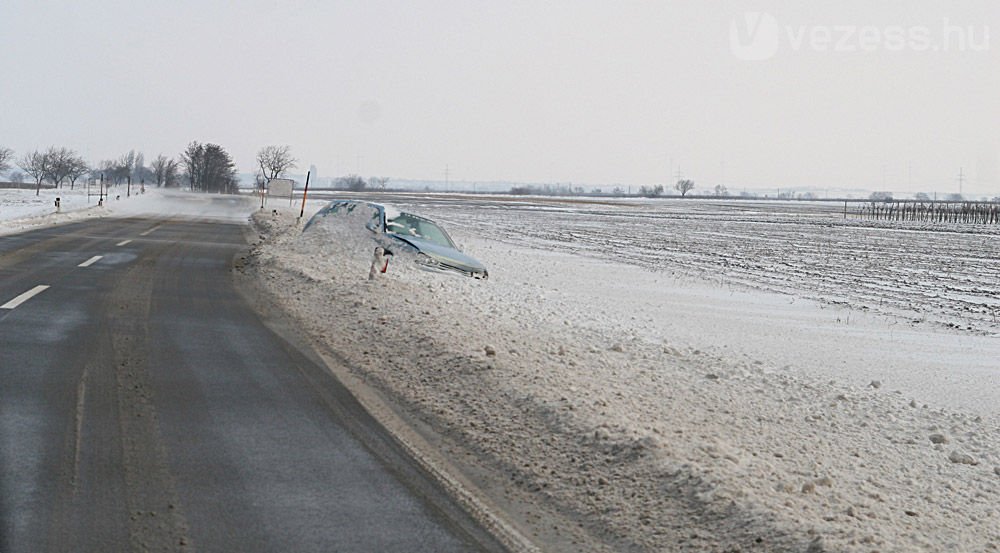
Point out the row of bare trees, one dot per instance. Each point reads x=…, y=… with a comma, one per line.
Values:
x=206, y=167
x=56, y=165
x=59, y=166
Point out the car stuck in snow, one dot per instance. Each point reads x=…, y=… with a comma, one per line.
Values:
x=399, y=233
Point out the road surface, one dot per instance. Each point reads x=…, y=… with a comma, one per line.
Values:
x=145, y=406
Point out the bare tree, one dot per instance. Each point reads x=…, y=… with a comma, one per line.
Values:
x=159, y=167
x=275, y=160
x=78, y=167
x=59, y=163
x=721, y=190
x=126, y=165
x=6, y=156
x=378, y=183
x=170, y=173
x=33, y=164
x=138, y=167
x=164, y=171
x=684, y=186
x=192, y=158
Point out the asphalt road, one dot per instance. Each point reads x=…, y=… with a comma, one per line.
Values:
x=146, y=406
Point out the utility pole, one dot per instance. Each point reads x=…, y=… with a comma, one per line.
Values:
x=961, y=179
x=446, y=175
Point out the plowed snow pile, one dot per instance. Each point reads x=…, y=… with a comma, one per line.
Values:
x=558, y=388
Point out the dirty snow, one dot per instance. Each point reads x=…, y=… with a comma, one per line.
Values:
x=612, y=393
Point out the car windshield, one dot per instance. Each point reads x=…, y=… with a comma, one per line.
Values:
x=405, y=224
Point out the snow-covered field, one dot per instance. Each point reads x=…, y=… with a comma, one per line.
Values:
x=23, y=209
x=684, y=376
x=673, y=376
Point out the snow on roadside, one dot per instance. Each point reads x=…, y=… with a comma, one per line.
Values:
x=21, y=209
x=645, y=443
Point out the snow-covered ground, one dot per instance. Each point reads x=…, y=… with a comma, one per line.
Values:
x=21, y=210
x=634, y=381
x=675, y=376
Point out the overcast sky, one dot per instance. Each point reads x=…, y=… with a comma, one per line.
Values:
x=881, y=95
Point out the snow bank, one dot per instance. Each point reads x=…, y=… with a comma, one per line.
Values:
x=579, y=411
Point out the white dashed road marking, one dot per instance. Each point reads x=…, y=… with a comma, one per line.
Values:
x=123, y=242
x=24, y=297
x=149, y=231
x=90, y=261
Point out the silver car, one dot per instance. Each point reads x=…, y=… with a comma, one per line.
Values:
x=398, y=232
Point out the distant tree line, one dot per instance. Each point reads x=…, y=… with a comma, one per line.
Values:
x=545, y=190
x=355, y=183
x=654, y=191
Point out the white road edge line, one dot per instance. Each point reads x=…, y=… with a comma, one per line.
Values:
x=25, y=296
x=123, y=242
x=150, y=230
x=90, y=261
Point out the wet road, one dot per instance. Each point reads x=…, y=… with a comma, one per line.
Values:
x=145, y=406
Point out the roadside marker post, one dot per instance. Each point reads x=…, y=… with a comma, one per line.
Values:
x=305, y=193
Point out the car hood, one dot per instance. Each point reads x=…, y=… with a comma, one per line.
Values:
x=443, y=254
